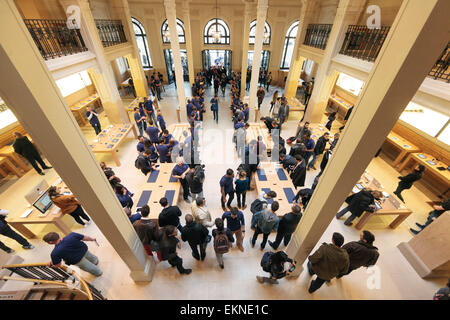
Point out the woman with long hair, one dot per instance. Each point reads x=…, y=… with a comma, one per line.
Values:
x=68, y=205
x=274, y=100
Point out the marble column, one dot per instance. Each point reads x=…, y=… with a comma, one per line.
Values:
x=416, y=39
x=107, y=90
x=348, y=12
x=28, y=88
x=245, y=45
x=261, y=12
x=171, y=16
x=188, y=36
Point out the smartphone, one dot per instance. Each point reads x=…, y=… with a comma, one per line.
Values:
x=291, y=269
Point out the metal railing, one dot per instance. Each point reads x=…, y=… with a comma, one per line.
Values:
x=110, y=32
x=441, y=69
x=54, y=39
x=42, y=273
x=317, y=35
x=363, y=43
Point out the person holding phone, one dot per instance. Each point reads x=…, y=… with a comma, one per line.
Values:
x=273, y=262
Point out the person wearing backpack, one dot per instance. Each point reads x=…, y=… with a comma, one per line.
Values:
x=144, y=163
x=273, y=262
x=194, y=180
x=223, y=238
x=263, y=201
x=266, y=221
x=196, y=235
x=287, y=226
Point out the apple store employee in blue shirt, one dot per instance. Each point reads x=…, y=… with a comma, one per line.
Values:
x=93, y=120
x=73, y=250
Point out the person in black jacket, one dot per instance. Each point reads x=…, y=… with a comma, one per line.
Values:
x=358, y=203
x=169, y=215
x=347, y=115
x=274, y=264
x=168, y=247
x=26, y=149
x=195, y=184
x=196, y=235
x=326, y=156
x=6, y=231
x=144, y=163
x=319, y=148
x=288, y=163
x=305, y=195
x=407, y=181
x=288, y=224
x=362, y=253
x=298, y=174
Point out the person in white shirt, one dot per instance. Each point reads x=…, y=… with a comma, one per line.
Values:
x=200, y=213
x=6, y=230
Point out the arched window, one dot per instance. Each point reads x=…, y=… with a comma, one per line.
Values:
x=216, y=31
x=141, y=39
x=267, y=33
x=289, y=44
x=180, y=30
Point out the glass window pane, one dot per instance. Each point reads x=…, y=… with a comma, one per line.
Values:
x=424, y=119
x=142, y=53
x=6, y=115
x=445, y=136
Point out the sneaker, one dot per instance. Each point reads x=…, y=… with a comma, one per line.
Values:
x=421, y=226
x=272, y=281
x=222, y=266
x=262, y=248
x=30, y=246
x=413, y=231
x=244, y=207
x=224, y=209
x=260, y=279
x=42, y=174
x=271, y=244
x=45, y=168
x=10, y=251
x=187, y=271
x=349, y=224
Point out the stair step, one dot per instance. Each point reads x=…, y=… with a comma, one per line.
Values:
x=65, y=296
x=36, y=295
x=53, y=295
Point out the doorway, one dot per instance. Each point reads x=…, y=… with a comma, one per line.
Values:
x=212, y=58
x=168, y=57
x=265, y=59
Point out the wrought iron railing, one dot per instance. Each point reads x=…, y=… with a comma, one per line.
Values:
x=110, y=31
x=54, y=39
x=317, y=35
x=363, y=43
x=42, y=273
x=441, y=69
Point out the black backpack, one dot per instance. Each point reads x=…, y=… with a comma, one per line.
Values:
x=199, y=173
x=257, y=206
x=139, y=161
x=266, y=261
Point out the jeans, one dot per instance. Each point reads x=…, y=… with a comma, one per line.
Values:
x=280, y=236
x=230, y=199
x=259, y=105
x=315, y=284
x=313, y=161
x=195, y=253
x=158, y=93
x=216, y=115
x=239, y=196
x=219, y=257
x=10, y=233
x=141, y=130
x=349, y=219
x=97, y=128
x=89, y=264
x=79, y=213
x=255, y=236
x=153, y=118
x=307, y=156
x=185, y=186
x=239, y=238
x=196, y=195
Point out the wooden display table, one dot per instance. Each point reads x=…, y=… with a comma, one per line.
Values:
x=80, y=106
x=342, y=105
x=10, y=166
x=158, y=184
x=177, y=130
x=271, y=176
x=431, y=164
x=52, y=216
x=403, y=145
x=15, y=158
x=259, y=129
x=109, y=140
x=391, y=206
x=295, y=105
x=123, y=85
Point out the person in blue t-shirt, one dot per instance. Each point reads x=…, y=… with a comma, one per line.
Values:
x=236, y=224
x=140, y=147
x=133, y=217
x=246, y=112
x=160, y=119
x=189, y=107
x=139, y=120
x=74, y=251
x=143, y=113
x=227, y=188
x=215, y=107
x=148, y=106
x=124, y=196
x=153, y=132
x=180, y=171
x=166, y=136
x=93, y=120
x=164, y=152
x=309, y=144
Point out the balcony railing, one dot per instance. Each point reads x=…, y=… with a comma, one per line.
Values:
x=363, y=43
x=110, y=31
x=441, y=69
x=317, y=35
x=54, y=39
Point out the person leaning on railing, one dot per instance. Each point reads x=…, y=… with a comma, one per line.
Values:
x=74, y=251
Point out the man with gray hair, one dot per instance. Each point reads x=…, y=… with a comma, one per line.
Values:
x=180, y=171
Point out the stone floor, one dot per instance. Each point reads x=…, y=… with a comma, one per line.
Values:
x=397, y=279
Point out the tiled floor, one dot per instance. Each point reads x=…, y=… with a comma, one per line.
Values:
x=397, y=279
